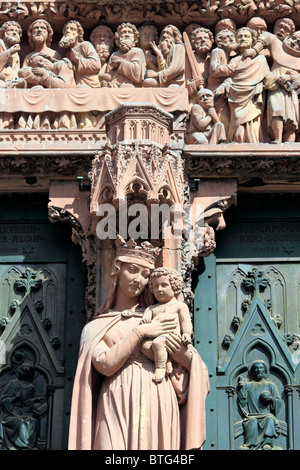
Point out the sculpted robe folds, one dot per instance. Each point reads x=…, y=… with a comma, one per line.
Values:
x=174, y=73
x=245, y=95
x=131, y=69
x=9, y=67
x=282, y=104
x=204, y=134
x=88, y=67
x=260, y=421
x=126, y=410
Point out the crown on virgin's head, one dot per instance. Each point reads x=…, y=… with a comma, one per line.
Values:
x=145, y=251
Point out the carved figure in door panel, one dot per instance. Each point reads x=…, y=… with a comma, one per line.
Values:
x=260, y=402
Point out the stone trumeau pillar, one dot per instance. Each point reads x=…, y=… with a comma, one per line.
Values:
x=137, y=185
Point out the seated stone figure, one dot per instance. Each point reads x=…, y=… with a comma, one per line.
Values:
x=259, y=401
x=48, y=72
x=102, y=38
x=82, y=55
x=10, y=34
x=205, y=126
x=170, y=58
x=40, y=35
x=127, y=65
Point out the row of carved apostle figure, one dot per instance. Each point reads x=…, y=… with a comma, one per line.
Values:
x=226, y=83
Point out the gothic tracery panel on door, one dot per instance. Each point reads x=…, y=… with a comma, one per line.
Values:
x=45, y=285
x=279, y=292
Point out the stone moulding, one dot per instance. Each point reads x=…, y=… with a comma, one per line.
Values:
x=231, y=160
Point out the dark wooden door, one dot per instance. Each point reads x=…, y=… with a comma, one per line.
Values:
x=42, y=289
x=247, y=312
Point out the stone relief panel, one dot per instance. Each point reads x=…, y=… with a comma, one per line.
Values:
x=235, y=82
x=23, y=402
x=258, y=368
x=260, y=407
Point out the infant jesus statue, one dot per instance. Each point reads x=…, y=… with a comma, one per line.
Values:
x=166, y=285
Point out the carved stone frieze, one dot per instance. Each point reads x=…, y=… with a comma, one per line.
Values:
x=277, y=162
x=90, y=12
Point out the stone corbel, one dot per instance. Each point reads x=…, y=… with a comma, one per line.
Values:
x=209, y=203
x=67, y=203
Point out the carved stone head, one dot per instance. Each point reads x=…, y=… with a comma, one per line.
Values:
x=205, y=98
x=225, y=40
x=102, y=34
x=258, y=370
x=171, y=275
x=148, y=33
x=72, y=32
x=202, y=40
x=245, y=38
x=11, y=33
x=40, y=31
x=284, y=27
x=126, y=36
x=225, y=23
x=258, y=24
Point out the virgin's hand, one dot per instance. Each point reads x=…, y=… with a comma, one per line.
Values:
x=173, y=343
x=158, y=327
x=178, y=351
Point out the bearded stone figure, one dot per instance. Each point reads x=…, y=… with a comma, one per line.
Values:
x=82, y=55
x=10, y=33
x=127, y=65
x=117, y=404
x=245, y=90
x=170, y=58
x=282, y=105
x=259, y=401
x=201, y=42
x=221, y=68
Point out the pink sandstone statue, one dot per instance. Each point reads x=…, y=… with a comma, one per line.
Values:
x=148, y=39
x=40, y=35
x=282, y=104
x=116, y=405
x=102, y=38
x=221, y=68
x=225, y=23
x=10, y=34
x=204, y=125
x=245, y=90
x=171, y=60
x=198, y=64
x=102, y=34
x=127, y=65
x=258, y=24
x=166, y=285
x=82, y=55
